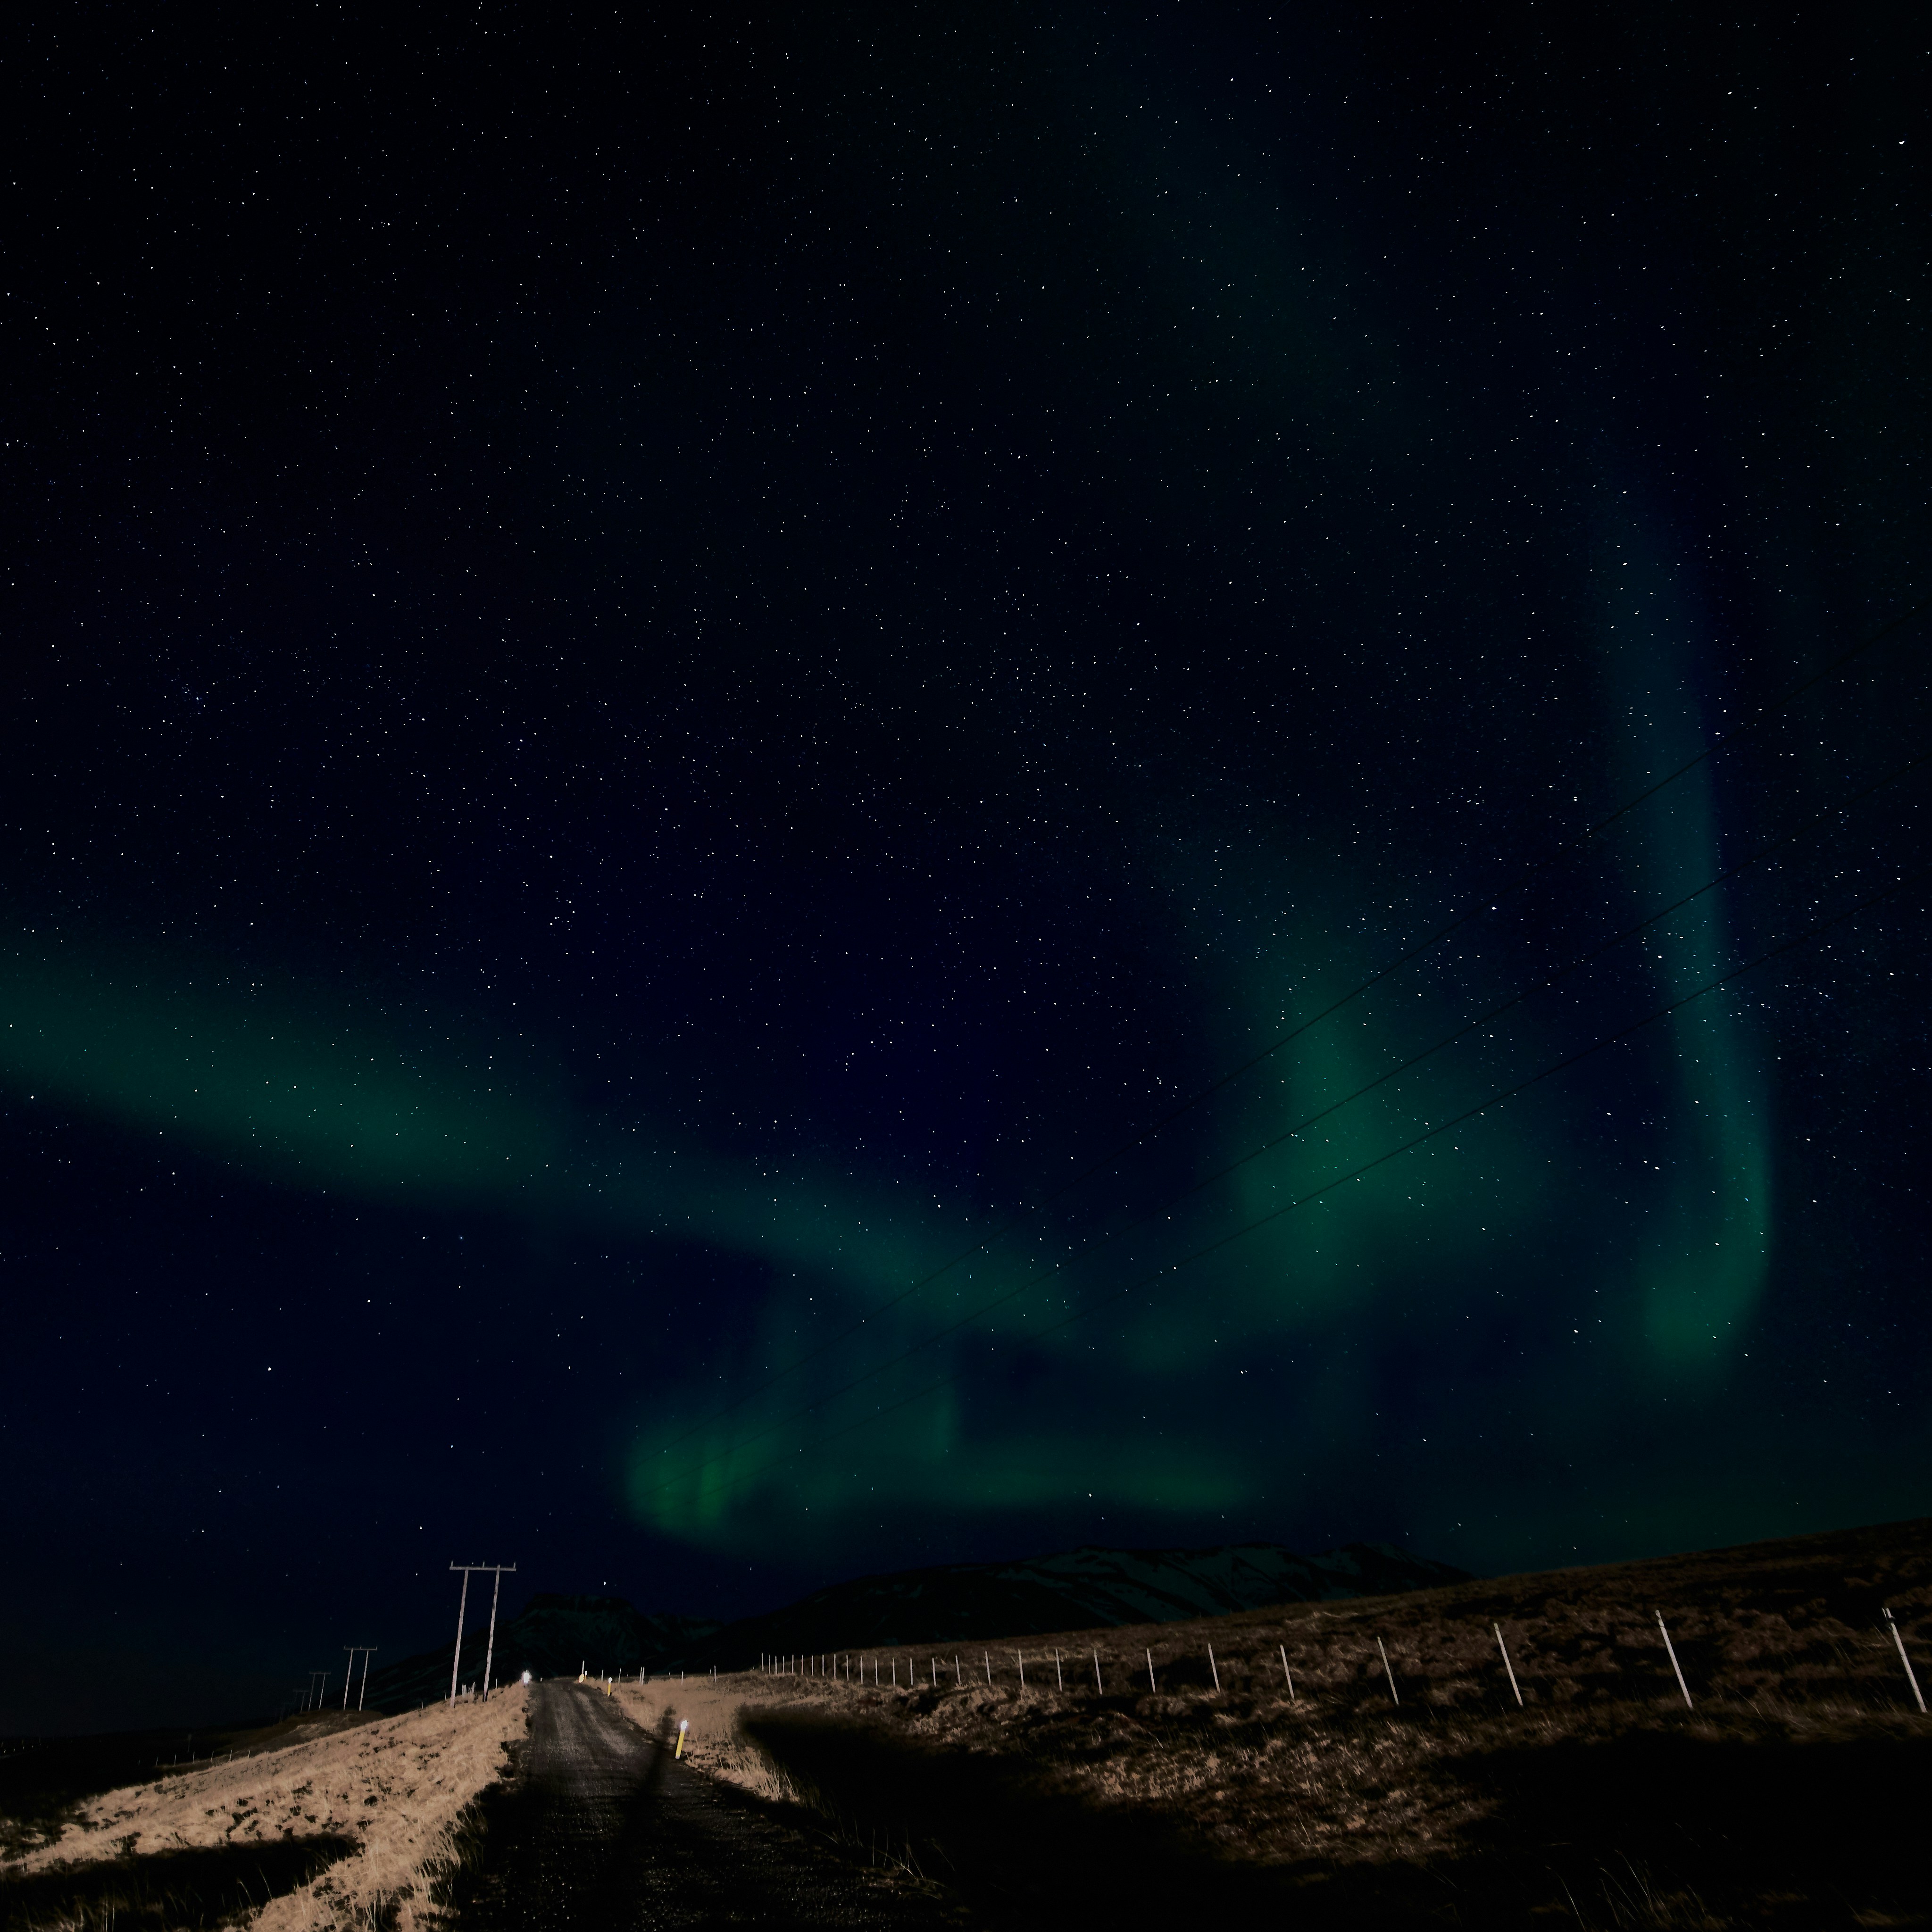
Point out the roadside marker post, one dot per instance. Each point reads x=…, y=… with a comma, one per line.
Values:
x=1394, y=1694
x=1670, y=1650
x=1506, y=1665
x=1911, y=1676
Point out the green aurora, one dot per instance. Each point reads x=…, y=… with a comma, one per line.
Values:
x=853, y=1404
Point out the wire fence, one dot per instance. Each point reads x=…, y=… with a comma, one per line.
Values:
x=1515, y=1663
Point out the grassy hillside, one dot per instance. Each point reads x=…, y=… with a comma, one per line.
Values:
x=324, y=1824
x=1791, y=1794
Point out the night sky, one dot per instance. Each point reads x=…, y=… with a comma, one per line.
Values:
x=662, y=666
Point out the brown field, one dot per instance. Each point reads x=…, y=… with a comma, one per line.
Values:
x=350, y=1822
x=1793, y=1793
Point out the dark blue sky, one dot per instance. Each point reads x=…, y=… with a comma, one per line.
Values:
x=662, y=666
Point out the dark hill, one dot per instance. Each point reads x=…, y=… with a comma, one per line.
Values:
x=552, y=1637
x=555, y=1636
x=1081, y=1589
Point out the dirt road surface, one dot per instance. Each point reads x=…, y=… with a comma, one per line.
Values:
x=602, y=1831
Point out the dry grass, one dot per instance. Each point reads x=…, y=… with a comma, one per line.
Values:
x=396, y=1786
x=715, y=1743
x=1602, y=1799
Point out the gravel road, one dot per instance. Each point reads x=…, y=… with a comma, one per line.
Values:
x=602, y=1831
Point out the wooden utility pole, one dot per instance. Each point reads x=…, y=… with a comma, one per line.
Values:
x=348, y=1676
x=489, y=1650
x=462, y=1604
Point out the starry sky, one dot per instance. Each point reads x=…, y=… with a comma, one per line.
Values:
x=798, y=790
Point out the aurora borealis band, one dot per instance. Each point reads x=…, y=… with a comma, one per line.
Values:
x=674, y=682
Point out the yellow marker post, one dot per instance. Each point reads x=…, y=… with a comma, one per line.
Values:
x=683, y=1725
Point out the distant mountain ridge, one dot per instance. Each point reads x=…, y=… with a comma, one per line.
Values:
x=551, y=1636
x=1078, y=1589
x=1084, y=1588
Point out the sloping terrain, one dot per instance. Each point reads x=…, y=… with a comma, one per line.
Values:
x=551, y=1636
x=348, y=1823
x=600, y=1829
x=44, y=1780
x=1087, y=1587
x=1398, y=1782
x=559, y=1635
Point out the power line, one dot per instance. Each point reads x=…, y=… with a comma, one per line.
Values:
x=1487, y=902
x=1469, y=1113
x=1458, y=1033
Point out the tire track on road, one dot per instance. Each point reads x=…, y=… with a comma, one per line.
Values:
x=600, y=1830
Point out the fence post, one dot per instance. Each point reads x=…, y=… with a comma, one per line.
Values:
x=1506, y=1665
x=1671, y=1649
x=1911, y=1676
